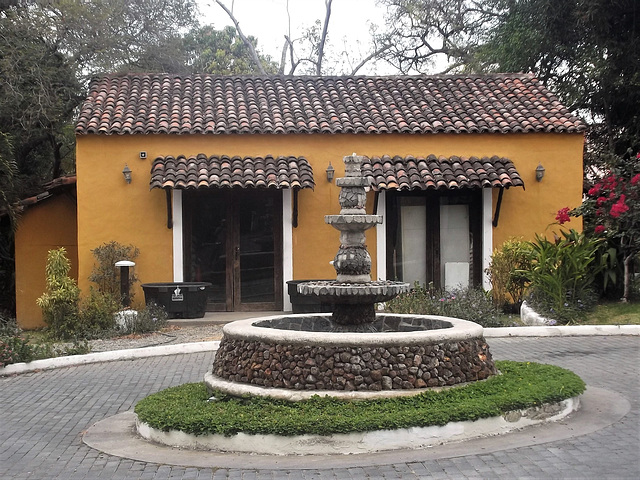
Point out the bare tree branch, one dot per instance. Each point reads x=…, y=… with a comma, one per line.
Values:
x=369, y=57
x=323, y=37
x=245, y=40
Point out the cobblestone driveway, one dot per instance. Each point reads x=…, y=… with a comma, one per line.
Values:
x=43, y=415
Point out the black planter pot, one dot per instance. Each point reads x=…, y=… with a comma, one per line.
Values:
x=305, y=303
x=179, y=299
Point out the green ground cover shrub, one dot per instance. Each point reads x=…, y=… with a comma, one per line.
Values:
x=521, y=385
x=150, y=319
x=15, y=348
x=472, y=304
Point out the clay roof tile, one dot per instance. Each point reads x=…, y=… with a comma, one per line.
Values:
x=187, y=104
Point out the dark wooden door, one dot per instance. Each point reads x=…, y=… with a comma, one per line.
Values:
x=233, y=239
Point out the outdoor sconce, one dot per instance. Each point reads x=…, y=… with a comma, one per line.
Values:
x=126, y=171
x=330, y=173
x=539, y=172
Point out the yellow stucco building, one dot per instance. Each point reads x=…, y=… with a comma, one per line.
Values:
x=229, y=183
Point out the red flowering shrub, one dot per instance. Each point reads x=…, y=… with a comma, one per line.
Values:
x=563, y=216
x=612, y=209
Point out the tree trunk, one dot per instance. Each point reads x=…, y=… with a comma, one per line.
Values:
x=628, y=259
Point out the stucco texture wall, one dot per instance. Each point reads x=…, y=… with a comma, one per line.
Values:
x=42, y=227
x=109, y=209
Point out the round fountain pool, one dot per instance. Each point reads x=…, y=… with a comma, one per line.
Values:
x=297, y=356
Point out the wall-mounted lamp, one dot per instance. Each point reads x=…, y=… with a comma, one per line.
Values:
x=126, y=171
x=539, y=172
x=330, y=173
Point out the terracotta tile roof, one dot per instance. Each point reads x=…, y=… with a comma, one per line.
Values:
x=431, y=172
x=222, y=171
x=209, y=104
x=57, y=186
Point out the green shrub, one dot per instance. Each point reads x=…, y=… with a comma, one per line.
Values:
x=466, y=303
x=97, y=313
x=105, y=274
x=59, y=303
x=15, y=349
x=521, y=385
x=508, y=282
x=7, y=355
x=151, y=319
x=562, y=274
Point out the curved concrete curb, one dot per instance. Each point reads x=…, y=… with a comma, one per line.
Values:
x=129, y=354
x=362, y=442
x=562, y=331
x=196, y=347
x=116, y=436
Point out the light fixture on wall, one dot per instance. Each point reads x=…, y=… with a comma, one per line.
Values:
x=330, y=173
x=539, y=172
x=126, y=171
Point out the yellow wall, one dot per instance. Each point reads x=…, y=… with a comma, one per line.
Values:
x=109, y=209
x=42, y=227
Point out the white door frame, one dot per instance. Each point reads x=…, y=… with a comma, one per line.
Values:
x=487, y=236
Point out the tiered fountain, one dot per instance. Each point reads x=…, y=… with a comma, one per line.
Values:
x=353, y=353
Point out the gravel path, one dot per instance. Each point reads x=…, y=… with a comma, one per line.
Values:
x=168, y=335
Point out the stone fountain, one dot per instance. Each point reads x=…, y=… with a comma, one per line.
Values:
x=353, y=353
x=353, y=294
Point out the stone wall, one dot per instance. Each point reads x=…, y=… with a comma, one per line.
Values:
x=304, y=367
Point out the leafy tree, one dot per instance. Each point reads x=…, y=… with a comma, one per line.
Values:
x=222, y=52
x=585, y=50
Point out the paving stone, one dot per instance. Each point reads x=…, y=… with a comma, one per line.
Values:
x=44, y=414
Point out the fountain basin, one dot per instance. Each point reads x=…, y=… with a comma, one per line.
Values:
x=332, y=291
x=297, y=356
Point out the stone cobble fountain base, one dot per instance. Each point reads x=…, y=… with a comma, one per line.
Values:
x=354, y=352
x=297, y=356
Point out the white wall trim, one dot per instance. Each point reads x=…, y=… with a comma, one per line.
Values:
x=178, y=259
x=487, y=234
x=287, y=247
x=381, y=238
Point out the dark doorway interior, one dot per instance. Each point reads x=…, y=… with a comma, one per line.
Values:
x=233, y=239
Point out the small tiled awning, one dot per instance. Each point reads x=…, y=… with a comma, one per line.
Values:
x=202, y=171
x=440, y=173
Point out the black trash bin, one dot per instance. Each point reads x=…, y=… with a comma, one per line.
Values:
x=306, y=303
x=179, y=299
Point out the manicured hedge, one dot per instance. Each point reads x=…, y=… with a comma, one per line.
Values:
x=521, y=385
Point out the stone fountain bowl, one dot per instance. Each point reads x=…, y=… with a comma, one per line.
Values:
x=333, y=291
x=296, y=356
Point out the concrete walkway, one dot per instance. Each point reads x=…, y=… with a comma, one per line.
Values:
x=44, y=414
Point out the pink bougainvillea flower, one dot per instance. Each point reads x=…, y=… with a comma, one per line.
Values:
x=619, y=207
x=600, y=201
x=599, y=229
x=635, y=179
x=595, y=190
x=563, y=215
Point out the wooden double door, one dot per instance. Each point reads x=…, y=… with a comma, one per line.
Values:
x=233, y=239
